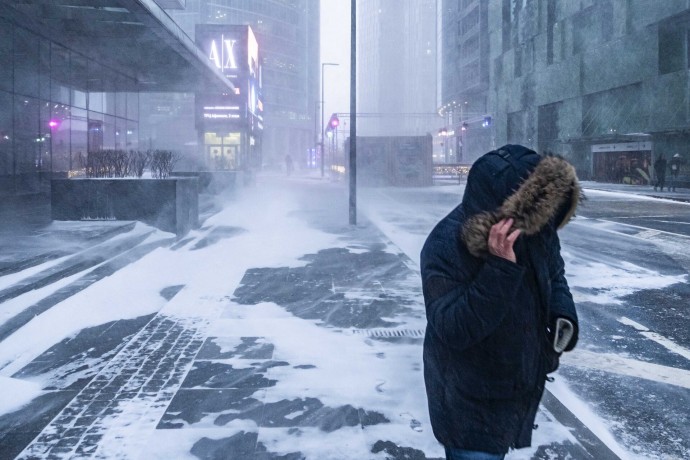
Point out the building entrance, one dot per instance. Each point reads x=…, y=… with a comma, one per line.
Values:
x=627, y=163
x=222, y=152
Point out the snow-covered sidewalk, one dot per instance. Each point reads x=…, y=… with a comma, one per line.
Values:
x=276, y=331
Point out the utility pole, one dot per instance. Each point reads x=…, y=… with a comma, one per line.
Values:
x=353, y=112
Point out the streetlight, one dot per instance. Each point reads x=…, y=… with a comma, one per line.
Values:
x=323, y=64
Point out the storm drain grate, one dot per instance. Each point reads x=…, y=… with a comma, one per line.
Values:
x=389, y=332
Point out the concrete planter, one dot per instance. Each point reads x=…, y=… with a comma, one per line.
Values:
x=169, y=204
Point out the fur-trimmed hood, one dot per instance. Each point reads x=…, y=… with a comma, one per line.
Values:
x=547, y=192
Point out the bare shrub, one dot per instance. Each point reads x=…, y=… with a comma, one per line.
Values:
x=120, y=163
x=162, y=163
x=138, y=162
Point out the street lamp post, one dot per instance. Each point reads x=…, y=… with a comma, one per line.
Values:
x=323, y=64
x=353, y=113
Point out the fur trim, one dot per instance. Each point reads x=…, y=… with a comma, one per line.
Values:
x=532, y=206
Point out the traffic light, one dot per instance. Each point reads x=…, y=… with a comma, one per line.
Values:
x=334, y=122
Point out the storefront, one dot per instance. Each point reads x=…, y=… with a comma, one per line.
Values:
x=627, y=163
x=230, y=125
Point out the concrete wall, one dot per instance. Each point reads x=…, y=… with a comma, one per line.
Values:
x=171, y=205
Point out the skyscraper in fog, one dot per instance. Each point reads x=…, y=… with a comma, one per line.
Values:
x=288, y=36
x=396, y=67
x=602, y=82
x=464, y=45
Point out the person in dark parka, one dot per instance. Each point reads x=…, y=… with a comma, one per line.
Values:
x=499, y=309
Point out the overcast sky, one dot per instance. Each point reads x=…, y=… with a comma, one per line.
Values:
x=335, y=47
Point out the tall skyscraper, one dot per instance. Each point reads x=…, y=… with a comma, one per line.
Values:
x=396, y=67
x=288, y=36
x=464, y=78
x=602, y=82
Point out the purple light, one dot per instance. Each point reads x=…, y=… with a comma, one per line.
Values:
x=53, y=123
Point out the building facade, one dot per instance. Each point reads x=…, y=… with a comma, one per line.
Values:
x=55, y=105
x=230, y=124
x=396, y=67
x=603, y=82
x=464, y=75
x=288, y=36
x=67, y=89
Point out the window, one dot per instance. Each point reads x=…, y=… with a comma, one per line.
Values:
x=26, y=55
x=6, y=69
x=671, y=49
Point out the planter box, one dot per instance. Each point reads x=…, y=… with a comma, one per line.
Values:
x=169, y=204
x=214, y=182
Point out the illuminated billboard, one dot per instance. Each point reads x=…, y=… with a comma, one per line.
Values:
x=234, y=50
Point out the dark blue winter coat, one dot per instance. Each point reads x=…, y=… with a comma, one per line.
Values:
x=487, y=348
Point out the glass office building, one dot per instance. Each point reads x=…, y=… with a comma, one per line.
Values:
x=71, y=76
x=288, y=36
x=55, y=105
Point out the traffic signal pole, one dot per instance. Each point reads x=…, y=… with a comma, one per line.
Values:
x=323, y=128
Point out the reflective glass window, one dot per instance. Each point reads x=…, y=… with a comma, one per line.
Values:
x=26, y=134
x=6, y=55
x=44, y=69
x=6, y=135
x=26, y=56
x=95, y=132
x=60, y=127
x=59, y=63
x=109, y=132
x=120, y=133
x=78, y=80
x=132, y=135
x=44, y=159
x=78, y=124
x=133, y=106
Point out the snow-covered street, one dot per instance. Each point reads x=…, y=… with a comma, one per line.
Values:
x=277, y=331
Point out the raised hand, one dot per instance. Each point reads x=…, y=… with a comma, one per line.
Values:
x=501, y=239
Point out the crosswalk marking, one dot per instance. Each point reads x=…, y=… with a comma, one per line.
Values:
x=658, y=338
x=616, y=364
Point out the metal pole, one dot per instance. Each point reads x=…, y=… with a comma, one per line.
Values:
x=322, y=152
x=322, y=108
x=353, y=112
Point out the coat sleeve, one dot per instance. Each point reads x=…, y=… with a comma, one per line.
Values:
x=562, y=304
x=463, y=308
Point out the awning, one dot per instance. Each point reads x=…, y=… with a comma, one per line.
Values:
x=135, y=37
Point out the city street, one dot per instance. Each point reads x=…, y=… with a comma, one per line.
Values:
x=627, y=258
x=278, y=331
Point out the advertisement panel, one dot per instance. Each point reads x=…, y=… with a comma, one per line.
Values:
x=230, y=124
x=234, y=50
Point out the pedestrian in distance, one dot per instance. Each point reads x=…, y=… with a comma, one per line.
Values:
x=674, y=165
x=499, y=309
x=660, y=171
